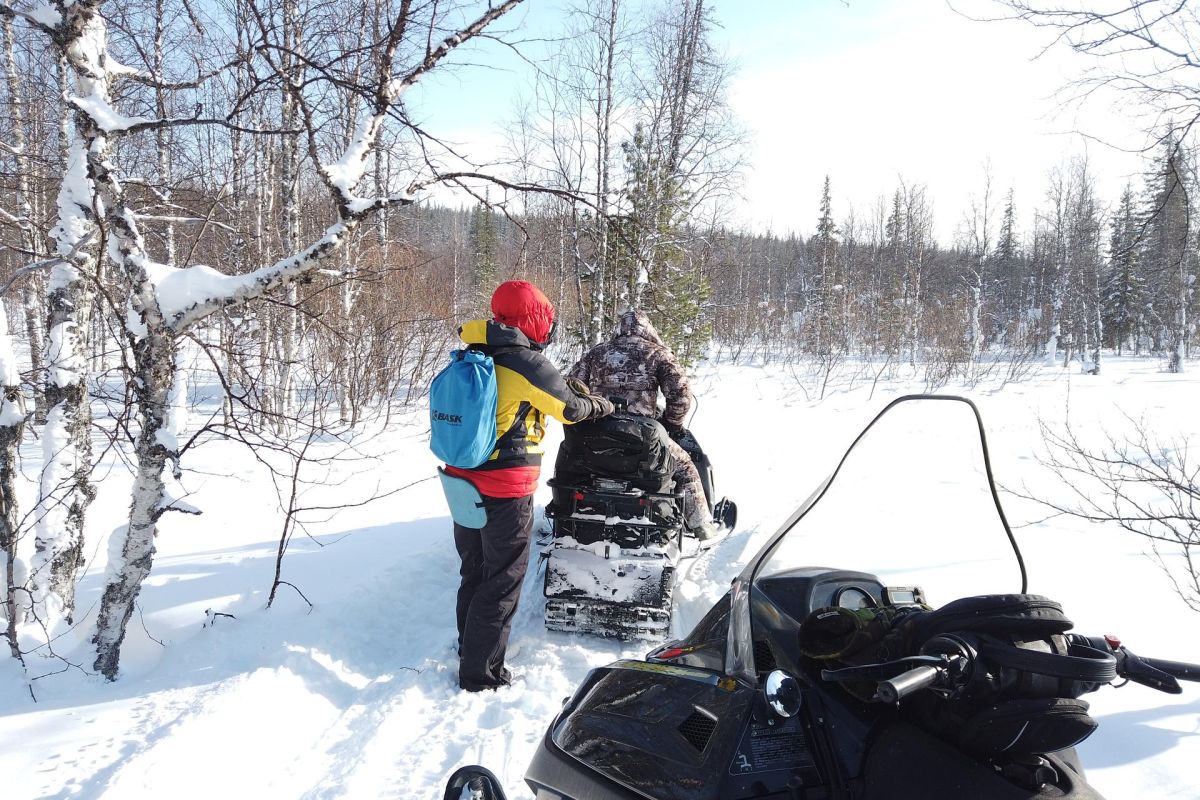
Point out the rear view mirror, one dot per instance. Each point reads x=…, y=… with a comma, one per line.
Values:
x=473, y=783
x=782, y=693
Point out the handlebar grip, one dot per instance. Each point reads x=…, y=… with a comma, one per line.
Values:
x=1176, y=669
x=904, y=684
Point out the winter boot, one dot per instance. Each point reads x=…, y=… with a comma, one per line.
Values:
x=710, y=530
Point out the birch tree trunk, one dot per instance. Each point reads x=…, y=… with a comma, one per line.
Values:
x=981, y=233
x=30, y=241
x=65, y=491
x=12, y=424
x=604, y=123
x=154, y=359
x=289, y=179
x=162, y=135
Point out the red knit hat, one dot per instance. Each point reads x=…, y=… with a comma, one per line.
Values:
x=522, y=305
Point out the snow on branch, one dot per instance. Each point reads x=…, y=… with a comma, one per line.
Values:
x=345, y=173
x=44, y=16
x=187, y=295
x=173, y=500
x=107, y=118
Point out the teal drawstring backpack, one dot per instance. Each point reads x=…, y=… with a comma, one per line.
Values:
x=462, y=428
x=462, y=410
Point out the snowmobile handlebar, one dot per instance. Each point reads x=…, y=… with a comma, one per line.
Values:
x=948, y=666
x=931, y=672
x=951, y=663
x=1155, y=673
x=894, y=689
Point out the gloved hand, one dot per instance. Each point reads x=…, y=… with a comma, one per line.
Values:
x=578, y=387
x=840, y=634
x=601, y=407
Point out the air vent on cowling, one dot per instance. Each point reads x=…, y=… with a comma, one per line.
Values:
x=698, y=729
x=764, y=657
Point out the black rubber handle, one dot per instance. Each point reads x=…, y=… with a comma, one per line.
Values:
x=1176, y=669
x=894, y=689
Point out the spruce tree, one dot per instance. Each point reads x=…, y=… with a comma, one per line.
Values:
x=664, y=277
x=823, y=256
x=1008, y=271
x=485, y=250
x=1169, y=254
x=1124, y=290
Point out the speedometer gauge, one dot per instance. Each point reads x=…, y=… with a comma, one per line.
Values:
x=853, y=598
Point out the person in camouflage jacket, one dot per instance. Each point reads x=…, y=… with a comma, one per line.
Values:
x=635, y=365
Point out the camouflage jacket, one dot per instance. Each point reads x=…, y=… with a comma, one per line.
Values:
x=635, y=366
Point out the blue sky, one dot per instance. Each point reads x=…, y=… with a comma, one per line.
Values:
x=871, y=92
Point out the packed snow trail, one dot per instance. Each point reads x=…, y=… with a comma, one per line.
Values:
x=417, y=733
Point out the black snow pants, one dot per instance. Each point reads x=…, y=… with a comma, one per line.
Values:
x=494, y=558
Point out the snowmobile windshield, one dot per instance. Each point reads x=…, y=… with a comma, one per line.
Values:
x=911, y=502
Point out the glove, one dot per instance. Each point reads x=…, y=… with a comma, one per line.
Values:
x=841, y=634
x=601, y=407
x=578, y=387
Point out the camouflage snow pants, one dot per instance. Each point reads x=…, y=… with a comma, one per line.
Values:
x=687, y=480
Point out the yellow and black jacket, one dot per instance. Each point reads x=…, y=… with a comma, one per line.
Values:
x=530, y=388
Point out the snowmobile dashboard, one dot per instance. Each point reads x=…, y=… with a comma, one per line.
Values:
x=797, y=592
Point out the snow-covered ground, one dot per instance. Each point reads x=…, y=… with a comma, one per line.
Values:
x=357, y=697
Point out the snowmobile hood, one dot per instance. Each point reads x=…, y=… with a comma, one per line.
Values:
x=637, y=324
x=489, y=333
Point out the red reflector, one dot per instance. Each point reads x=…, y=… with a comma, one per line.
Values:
x=674, y=652
x=579, y=495
x=643, y=501
x=1112, y=641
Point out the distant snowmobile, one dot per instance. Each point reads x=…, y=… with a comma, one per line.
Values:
x=619, y=527
x=817, y=683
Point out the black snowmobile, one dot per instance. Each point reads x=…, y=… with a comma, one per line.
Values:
x=810, y=682
x=618, y=527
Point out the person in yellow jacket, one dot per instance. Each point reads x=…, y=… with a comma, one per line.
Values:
x=494, y=557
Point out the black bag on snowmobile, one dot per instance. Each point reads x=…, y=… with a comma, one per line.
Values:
x=620, y=446
x=1027, y=703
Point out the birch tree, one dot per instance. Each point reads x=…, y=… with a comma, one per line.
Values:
x=165, y=301
x=65, y=491
x=22, y=216
x=979, y=234
x=1056, y=224
x=12, y=422
x=569, y=133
